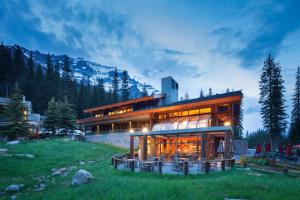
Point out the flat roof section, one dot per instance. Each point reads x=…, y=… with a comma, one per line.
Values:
x=124, y=103
x=185, y=131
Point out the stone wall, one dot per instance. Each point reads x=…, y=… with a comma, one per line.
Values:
x=117, y=139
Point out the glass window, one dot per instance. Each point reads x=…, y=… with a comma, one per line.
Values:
x=185, y=113
x=203, y=122
x=183, y=123
x=193, y=122
x=194, y=112
x=174, y=114
x=205, y=110
x=174, y=124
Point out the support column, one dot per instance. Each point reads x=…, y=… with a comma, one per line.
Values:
x=197, y=146
x=130, y=125
x=112, y=127
x=203, y=144
x=153, y=146
x=145, y=148
x=131, y=146
x=226, y=145
x=97, y=128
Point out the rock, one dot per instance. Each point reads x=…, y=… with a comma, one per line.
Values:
x=40, y=187
x=81, y=163
x=13, y=142
x=3, y=152
x=254, y=174
x=14, y=188
x=81, y=177
x=91, y=161
x=72, y=167
x=25, y=155
x=13, y=197
x=60, y=172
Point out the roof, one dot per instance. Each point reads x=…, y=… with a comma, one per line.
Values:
x=124, y=103
x=201, y=102
x=216, y=96
x=185, y=131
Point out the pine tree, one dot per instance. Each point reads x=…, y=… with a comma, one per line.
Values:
x=102, y=92
x=272, y=100
x=15, y=112
x=294, y=132
x=125, y=86
x=52, y=121
x=210, y=93
x=201, y=93
x=115, y=86
x=18, y=64
x=67, y=79
x=238, y=128
x=186, y=96
x=144, y=92
x=6, y=72
x=67, y=117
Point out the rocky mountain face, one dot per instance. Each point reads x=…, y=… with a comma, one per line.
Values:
x=88, y=70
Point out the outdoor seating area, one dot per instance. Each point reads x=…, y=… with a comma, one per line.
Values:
x=288, y=153
x=177, y=165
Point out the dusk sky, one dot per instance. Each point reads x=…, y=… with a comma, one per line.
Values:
x=202, y=44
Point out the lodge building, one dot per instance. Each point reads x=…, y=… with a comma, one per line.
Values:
x=165, y=126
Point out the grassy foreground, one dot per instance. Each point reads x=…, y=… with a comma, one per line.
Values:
x=114, y=184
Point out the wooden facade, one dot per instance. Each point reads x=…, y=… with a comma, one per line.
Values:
x=165, y=130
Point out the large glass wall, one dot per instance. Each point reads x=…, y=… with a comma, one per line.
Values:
x=197, y=121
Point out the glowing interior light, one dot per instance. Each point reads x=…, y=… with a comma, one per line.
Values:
x=145, y=129
x=227, y=123
x=131, y=130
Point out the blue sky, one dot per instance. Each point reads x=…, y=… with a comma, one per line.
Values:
x=202, y=44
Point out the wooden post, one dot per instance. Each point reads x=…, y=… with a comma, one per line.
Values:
x=207, y=167
x=285, y=171
x=130, y=125
x=97, y=128
x=153, y=146
x=160, y=167
x=197, y=144
x=145, y=148
x=131, y=164
x=131, y=146
x=203, y=143
x=223, y=165
x=112, y=127
x=116, y=164
x=186, y=168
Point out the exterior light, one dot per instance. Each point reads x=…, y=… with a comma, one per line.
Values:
x=25, y=112
x=145, y=130
x=131, y=130
x=227, y=123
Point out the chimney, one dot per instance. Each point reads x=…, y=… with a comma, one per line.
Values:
x=170, y=88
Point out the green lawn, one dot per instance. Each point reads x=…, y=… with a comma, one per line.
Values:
x=115, y=184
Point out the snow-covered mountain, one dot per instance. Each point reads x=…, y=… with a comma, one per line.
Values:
x=88, y=70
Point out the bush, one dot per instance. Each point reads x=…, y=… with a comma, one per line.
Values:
x=261, y=161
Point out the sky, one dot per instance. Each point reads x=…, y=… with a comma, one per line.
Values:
x=202, y=44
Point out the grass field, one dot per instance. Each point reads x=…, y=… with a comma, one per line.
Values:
x=116, y=184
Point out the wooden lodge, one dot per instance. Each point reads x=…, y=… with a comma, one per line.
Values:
x=200, y=129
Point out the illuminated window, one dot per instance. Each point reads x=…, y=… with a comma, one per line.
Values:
x=193, y=112
x=174, y=114
x=25, y=112
x=205, y=110
x=227, y=123
x=183, y=123
x=185, y=113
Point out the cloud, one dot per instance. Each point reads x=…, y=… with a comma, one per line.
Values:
x=201, y=44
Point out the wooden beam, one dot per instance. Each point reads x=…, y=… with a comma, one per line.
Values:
x=203, y=144
x=131, y=146
x=145, y=148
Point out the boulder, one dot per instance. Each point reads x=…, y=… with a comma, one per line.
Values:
x=25, y=155
x=3, y=152
x=40, y=187
x=13, y=142
x=82, y=177
x=59, y=172
x=14, y=188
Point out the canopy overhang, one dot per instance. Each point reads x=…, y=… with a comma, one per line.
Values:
x=185, y=131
